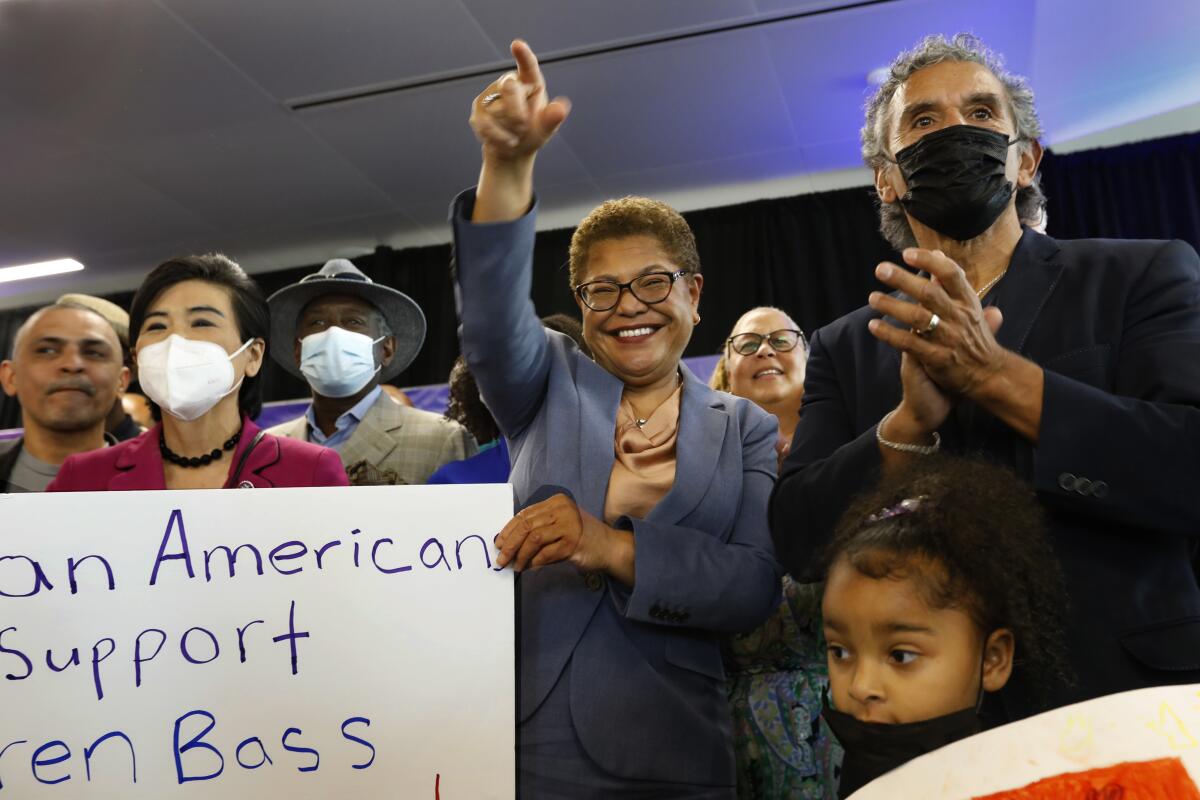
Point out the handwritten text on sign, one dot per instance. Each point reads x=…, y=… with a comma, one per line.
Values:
x=314, y=642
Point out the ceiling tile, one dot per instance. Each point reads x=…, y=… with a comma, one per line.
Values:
x=823, y=61
x=554, y=25
x=112, y=72
x=298, y=49
x=674, y=103
x=417, y=144
x=266, y=174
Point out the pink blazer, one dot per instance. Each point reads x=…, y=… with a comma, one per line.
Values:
x=137, y=464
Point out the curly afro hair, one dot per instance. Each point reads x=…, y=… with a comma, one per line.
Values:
x=984, y=528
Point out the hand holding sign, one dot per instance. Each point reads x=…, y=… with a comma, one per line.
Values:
x=557, y=529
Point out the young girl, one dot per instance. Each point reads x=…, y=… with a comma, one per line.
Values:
x=941, y=587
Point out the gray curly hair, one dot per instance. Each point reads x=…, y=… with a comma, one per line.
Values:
x=934, y=50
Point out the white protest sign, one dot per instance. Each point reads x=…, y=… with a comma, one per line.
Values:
x=1139, y=744
x=290, y=643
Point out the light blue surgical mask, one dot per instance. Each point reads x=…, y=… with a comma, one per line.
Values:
x=337, y=362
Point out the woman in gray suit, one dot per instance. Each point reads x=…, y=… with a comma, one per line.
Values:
x=643, y=535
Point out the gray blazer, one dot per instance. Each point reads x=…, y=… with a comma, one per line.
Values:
x=647, y=689
x=400, y=445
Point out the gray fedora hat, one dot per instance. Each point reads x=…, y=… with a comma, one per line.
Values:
x=339, y=276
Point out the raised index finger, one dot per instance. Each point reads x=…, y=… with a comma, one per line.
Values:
x=528, y=71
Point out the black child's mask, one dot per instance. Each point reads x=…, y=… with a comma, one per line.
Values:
x=956, y=181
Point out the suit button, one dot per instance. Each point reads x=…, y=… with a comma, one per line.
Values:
x=1083, y=486
x=1099, y=490
x=594, y=582
x=1066, y=482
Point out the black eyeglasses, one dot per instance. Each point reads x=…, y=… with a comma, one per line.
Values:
x=650, y=288
x=782, y=340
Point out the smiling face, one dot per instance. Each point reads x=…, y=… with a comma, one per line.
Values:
x=766, y=377
x=639, y=343
x=203, y=311
x=894, y=659
x=945, y=94
x=66, y=370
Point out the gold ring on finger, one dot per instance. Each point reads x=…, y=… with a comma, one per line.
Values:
x=928, y=330
x=488, y=99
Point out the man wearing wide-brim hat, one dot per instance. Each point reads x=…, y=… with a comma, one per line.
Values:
x=344, y=335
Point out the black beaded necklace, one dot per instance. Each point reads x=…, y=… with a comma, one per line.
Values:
x=196, y=461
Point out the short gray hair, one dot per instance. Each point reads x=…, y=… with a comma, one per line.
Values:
x=934, y=50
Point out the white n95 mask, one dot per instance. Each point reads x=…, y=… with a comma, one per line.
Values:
x=187, y=377
x=337, y=362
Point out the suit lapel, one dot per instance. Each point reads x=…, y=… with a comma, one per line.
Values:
x=702, y=424
x=599, y=399
x=140, y=465
x=374, y=437
x=1022, y=294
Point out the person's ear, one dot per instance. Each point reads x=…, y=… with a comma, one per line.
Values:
x=123, y=381
x=998, y=659
x=8, y=378
x=883, y=187
x=387, y=350
x=254, y=357
x=695, y=287
x=1031, y=158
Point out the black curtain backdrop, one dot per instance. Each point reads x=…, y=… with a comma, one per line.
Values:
x=812, y=255
x=1144, y=190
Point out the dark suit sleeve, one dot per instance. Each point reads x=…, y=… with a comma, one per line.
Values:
x=503, y=340
x=694, y=579
x=1137, y=450
x=828, y=464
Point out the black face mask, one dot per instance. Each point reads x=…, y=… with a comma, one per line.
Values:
x=875, y=748
x=955, y=178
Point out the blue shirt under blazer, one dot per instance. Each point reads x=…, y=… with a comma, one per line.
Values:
x=647, y=694
x=1115, y=325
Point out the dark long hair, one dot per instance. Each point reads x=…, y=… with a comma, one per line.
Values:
x=249, y=309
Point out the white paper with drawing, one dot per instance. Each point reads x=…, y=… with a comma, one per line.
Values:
x=282, y=643
x=1139, y=744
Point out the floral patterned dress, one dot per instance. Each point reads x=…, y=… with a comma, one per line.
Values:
x=777, y=677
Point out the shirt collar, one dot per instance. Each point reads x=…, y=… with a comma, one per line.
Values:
x=351, y=416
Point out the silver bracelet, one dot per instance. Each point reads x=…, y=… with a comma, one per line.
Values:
x=915, y=449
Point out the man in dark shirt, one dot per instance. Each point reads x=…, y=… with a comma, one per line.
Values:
x=1075, y=363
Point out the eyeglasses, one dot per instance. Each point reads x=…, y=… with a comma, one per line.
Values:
x=782, y=340
x=650, y=288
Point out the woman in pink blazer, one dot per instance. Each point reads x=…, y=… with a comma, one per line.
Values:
x=198, y=329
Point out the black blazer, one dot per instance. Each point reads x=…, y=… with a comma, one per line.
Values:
x=1116, y=327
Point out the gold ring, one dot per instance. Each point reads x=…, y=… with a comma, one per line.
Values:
x=934, y=321
x=488, y=99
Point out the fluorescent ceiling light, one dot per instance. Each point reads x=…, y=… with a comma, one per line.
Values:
x=39, y=270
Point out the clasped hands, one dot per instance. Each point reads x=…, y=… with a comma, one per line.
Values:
x=557, y=530
x=953, y=358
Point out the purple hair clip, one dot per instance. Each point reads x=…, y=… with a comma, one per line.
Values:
x=906, y=506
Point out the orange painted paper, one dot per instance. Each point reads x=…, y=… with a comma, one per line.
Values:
x=1161, y=779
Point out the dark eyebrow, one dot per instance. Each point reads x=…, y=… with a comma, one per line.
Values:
x=907, y=627
x=59, y=340
x=150, y=314
x=203, y=309
x=916, y=109
x=643, y=271
x=985, y=99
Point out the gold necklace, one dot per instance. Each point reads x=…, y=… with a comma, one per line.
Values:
x=991, y=283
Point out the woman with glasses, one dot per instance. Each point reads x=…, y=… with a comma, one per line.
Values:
x=642, y=536
x=777, y=672
x=763, y=361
